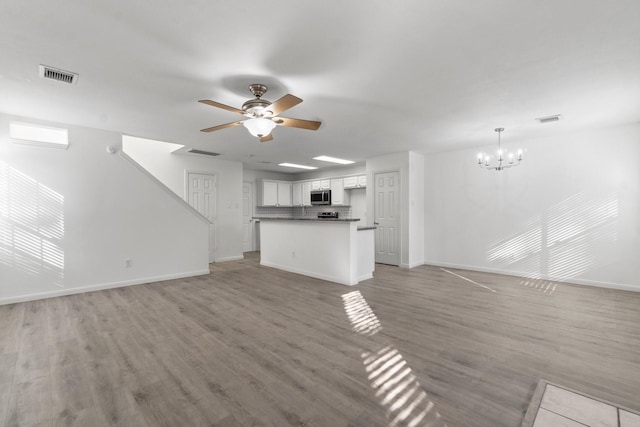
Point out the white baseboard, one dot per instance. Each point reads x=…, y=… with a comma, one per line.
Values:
x=608, y=285
x=365, y=277
x=411, y=265
x=100, y=287
x=230, y=258
x=307, y=273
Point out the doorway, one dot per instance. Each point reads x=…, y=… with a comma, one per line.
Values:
x=202, y=196
x=386, y=199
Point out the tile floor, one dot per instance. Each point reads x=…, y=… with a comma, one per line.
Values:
x=556, y=406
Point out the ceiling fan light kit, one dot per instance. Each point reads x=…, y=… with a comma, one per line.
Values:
x=503, y=159
x=262, y=115
x=259, y=127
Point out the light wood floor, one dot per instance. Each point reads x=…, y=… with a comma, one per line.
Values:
x=250, y=345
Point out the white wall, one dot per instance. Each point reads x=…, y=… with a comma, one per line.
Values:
x=70, y=218
x=570, y=211
x=410, y=166
x=156, y=157
x=359, y=205
x=249, y=175
x=416, y=209
x=336, y=171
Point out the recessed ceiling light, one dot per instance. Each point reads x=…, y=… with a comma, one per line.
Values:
x=333, y=160
x=549, y=119
x=293, y=165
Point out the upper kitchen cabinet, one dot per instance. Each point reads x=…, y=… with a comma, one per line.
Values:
x=274, y=193
x=296, y=193
x=301, y=193
x=339, y=197
x=306, y=193
x=321, y=184
x=284, y=194
x=359, y=181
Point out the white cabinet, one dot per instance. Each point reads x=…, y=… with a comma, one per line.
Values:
x=339, y=197
x=284, y=194
x=269, y=193
x=274, y=193
x=359, y=181
x=306, y=193
x=350, y=182
x=321, y=184
x=296, y=194
x=301, y=193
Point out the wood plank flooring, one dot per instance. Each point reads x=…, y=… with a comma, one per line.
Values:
x=249, y=345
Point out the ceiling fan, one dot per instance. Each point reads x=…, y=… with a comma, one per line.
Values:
x=262, y=115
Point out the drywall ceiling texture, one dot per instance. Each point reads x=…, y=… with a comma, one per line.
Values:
x=70, y=219
x=569, y=212
x=381, y=76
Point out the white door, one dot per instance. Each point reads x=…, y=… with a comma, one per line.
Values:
x=387, y=217
x=247, y=216
x=201, y=189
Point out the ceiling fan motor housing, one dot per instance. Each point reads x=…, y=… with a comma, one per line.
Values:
x=255, y=107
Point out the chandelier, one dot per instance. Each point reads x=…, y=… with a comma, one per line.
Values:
x=502, y=159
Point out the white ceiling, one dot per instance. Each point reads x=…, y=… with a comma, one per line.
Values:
x=382, y=76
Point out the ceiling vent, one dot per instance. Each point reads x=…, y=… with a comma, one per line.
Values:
x=549, y=119
x=58, y=75
x=204, y=153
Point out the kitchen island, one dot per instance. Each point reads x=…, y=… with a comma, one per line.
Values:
x=336, y=250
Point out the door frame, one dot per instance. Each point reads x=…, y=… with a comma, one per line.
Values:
x=214, y=223
x=400, y=211
x=252, y=223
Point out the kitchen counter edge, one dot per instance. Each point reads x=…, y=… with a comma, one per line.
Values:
x=261, y=218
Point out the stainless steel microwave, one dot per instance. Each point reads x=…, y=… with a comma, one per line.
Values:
x=321, y=197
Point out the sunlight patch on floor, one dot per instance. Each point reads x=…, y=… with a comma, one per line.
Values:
x=362, y=318
x=468, y=280
x=396, y=387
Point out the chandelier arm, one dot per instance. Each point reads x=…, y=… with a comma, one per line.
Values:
x=503, y=161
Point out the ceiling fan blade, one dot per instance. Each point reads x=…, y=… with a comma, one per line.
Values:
x=283, y=104
x=226, y=125
x=223, y=106
x=266, y=138
x=297, y=123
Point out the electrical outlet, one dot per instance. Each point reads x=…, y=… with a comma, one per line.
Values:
x=128, y=263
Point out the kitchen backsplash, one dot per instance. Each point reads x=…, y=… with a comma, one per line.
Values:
x=274, y=212
x=301, y=212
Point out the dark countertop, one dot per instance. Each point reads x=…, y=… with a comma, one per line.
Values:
x=373, y=227
x=262, y=218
